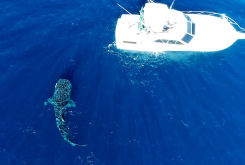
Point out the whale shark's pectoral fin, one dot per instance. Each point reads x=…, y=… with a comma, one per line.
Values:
x=51, y=101
x=71, y=103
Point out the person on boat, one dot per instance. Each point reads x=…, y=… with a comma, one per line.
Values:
x=171, y=26
x=165, y=27
x=168, y=26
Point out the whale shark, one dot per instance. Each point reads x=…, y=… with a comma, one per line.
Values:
x=61, y=101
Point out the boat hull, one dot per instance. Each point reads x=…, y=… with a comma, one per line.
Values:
x=211, y=34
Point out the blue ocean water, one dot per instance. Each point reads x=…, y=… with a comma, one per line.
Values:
x=132, y=108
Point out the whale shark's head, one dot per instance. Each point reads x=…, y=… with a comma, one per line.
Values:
x=62, y=91
x=62, y=84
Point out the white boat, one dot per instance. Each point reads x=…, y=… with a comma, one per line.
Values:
x=159, y=28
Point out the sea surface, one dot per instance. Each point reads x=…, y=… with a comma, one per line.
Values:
x=132, y=108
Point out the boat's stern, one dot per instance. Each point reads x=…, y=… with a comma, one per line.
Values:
x=118, y=34
x=127, y=31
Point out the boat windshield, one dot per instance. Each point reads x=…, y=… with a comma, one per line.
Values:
x=187, y=38
x=191, y=29
x=168, y=41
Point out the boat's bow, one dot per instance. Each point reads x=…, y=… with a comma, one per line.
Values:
x=240, y=35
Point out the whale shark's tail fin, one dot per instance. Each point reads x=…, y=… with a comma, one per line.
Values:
x=75, y=144
x=82, y=145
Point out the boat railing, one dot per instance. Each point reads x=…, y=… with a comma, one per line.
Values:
x=222, y=16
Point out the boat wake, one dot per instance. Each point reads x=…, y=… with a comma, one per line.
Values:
x=142, y=59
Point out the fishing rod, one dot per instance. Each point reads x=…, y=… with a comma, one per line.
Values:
x=171, y=5
x=124, y=9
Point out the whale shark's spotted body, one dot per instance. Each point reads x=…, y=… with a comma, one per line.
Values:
x=61, y=100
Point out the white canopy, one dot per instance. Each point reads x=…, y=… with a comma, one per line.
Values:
x=155, y=16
